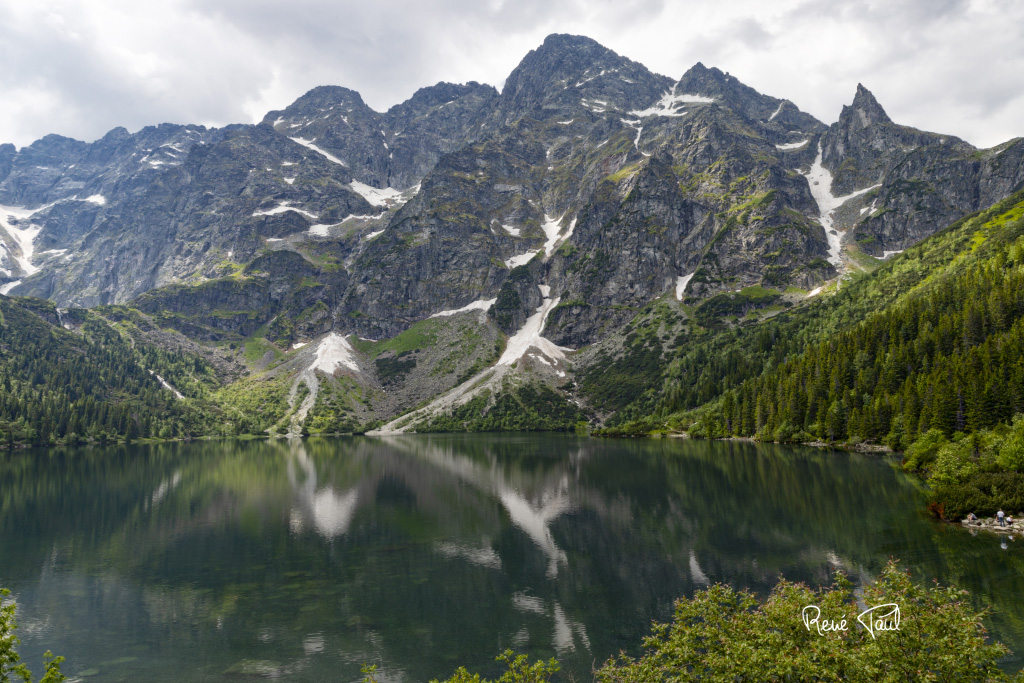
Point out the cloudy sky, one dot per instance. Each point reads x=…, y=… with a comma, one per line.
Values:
x=81, y=67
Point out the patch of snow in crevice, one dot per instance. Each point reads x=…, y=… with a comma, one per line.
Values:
x=510, y=230
x=281, y=208
x=529, y=336
x=373, y=234
x=587, y=80
x=288, y=180
x=521, y=259
x=793, y=145
x=552, y=228
x=777, y=111
x=327, y=155
x=566, y=123
x=320, y=229
x=97, y=199
x=887, y=254
x=639, y=129
x=6, y=289
x=275, y=239
x=334, y=352
x=377, y=197
x=681, y=283
x=669, y=104
x=298, y=345
x=815, y=292
x=481, y=305
x=25, y=237
x=820, y=181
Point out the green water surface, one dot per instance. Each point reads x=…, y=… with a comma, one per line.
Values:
x=303, y=559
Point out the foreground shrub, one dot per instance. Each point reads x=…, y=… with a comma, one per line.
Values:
x=11, y=668
x=726, y=635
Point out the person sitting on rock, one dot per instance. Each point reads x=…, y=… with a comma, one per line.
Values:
x=971, y=517
x=1001, y=516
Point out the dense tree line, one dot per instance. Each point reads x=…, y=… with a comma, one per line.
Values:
x=58, y=386
x=710, y=363
x=950, y=358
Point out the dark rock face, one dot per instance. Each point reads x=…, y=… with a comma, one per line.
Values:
x=394, y=149
x=565, y=70
x=926, y=180
x=587, y=174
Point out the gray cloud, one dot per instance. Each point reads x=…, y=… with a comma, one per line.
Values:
x=954, y=66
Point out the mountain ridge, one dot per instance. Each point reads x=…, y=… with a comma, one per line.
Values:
x=546, y=217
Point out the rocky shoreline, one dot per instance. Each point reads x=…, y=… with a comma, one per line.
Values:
x=991, y=524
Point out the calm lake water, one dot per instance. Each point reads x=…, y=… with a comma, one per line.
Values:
x=304, y=559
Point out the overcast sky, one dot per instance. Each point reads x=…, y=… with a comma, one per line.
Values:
x=82, y=67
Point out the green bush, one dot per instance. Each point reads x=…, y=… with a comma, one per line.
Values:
x=983, y=493
x=922, y=452
x=11, y=668
x=726, y=635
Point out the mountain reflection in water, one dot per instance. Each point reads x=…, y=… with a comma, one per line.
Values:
x=307, y=558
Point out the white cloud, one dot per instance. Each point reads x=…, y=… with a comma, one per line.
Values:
x=79, y=69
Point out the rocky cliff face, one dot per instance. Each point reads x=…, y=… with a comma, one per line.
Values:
x=588, y=182
x=925, y=180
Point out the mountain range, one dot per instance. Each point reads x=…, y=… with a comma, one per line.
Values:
x=469, y=251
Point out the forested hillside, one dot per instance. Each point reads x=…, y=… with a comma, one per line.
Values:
x=930, y=339
x=59, y=386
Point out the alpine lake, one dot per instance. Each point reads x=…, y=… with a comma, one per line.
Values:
x=304, y=559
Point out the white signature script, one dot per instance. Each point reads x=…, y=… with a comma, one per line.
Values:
x=875, y=619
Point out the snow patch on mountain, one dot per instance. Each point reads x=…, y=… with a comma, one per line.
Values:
x=793, y=145
x=670, y=103
x=521, y=259
x=377, y=197
x=819, y=179
x=334, y=352
x=552, y=230
x=327, y=155
x=22, y=237
x=681, y=283
x=481, y=305
x=529, y=336
x=281, y=208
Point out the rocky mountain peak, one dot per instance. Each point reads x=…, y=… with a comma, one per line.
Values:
x=728, y=90
x=564, y=63
x=333, y=99
x=442, y=93
x=865, y=111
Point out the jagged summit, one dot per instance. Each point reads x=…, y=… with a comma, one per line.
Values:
x=865, y=111
x=320, y=99
x=443, y=92
x=566, y=68
x=728, y=90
